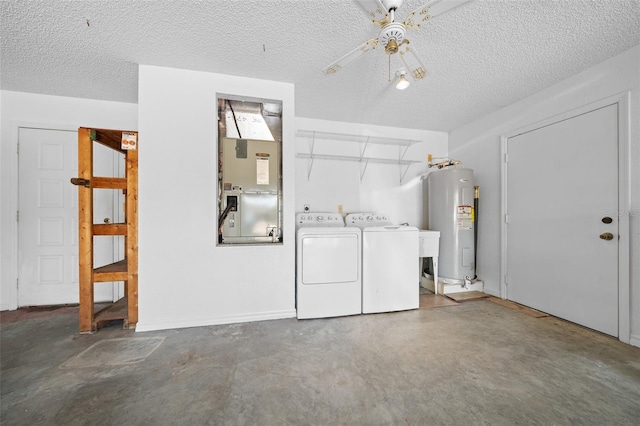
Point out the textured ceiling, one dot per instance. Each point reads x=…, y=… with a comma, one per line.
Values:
x=480, y=57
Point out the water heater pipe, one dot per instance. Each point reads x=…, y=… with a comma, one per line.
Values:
x=476, y=202
x=443, y=164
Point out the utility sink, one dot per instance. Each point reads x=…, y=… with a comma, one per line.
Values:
x=429, y=243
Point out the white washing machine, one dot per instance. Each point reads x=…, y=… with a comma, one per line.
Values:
x=389, y=263
x=328, y=266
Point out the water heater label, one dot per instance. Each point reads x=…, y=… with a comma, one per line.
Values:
x=465, y=217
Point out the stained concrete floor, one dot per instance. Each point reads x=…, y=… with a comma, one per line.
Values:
x=476, y=363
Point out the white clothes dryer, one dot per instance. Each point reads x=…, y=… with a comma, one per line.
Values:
x=389, y=263
x=328, y=266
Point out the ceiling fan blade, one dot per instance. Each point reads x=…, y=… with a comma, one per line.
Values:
x=355, y=54
x=431, y=10
x=412, y=61
x=374, y=10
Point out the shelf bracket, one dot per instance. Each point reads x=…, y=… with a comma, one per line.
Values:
x=406, y=169
x=366, y=144
x=402, y=154
x=366, y=163
x=363, y=171
x=403, y=174
x=310, y=167
x=313, y=143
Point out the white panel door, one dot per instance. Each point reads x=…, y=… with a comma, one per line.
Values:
x=562, y=186
x=48, y=219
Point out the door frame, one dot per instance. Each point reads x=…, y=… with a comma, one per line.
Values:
x=15, y=126
x=622, y=100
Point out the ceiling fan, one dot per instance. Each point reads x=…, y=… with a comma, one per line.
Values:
x=392, y=36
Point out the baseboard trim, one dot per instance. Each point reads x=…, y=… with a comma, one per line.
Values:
x=7, y=307
x=634, y=340
x=491, y=292
x=203, y=322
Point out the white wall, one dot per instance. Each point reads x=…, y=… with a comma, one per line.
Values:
x=478, y=145
x=378, y=187
x=49, y=112
x=184, y=278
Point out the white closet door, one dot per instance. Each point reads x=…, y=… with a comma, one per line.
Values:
x=48, y=219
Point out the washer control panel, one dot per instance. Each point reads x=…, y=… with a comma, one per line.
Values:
x=319, y=219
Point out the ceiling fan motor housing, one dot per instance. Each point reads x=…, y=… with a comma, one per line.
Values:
x=391, y=4
x=391, y=37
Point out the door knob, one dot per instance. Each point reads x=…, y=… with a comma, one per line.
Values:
x=606, y=236
x=107, y=220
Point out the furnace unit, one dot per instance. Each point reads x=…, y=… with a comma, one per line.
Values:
x=249, y=189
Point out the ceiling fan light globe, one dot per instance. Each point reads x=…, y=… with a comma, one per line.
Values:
x=402, y=83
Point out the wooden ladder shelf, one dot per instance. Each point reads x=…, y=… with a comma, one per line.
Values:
x=125, y=270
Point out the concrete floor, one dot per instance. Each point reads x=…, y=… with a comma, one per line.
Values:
x=477, y=363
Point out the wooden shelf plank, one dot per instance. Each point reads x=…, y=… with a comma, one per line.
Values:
x=113, y=311
x=113, y=272
x=104, y=277
x=110, y=229
x=119, y=266
x=109, y=138
x=108, y=183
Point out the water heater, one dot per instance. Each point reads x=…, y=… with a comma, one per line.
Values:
x=450, y=195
